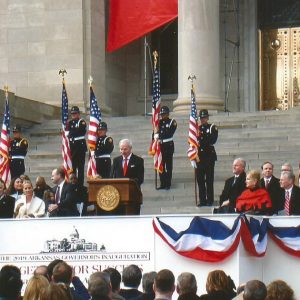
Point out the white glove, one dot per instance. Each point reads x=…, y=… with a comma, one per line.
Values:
x=156, y=136
x=194, y=164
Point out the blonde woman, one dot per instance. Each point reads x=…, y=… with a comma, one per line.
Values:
x=254, y=199
x=29, y=206
x=36, y=285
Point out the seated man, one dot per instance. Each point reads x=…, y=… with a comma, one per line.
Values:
x=234, y=186
x=99, y=286
x=255, y=289
x=131, y=278
x=187, y=286
x=164, y=284
x=128, y=165
x=271, y=184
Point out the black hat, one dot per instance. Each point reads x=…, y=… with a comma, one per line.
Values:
x=203, y=113
x=17, y=128
x=164, y=110
x=75, y=110
x=102, y=125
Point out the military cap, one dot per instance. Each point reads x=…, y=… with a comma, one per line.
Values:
x=164, y=110
x=75, y=110
x=17, y=128
x=203, y=113
x=102, y=125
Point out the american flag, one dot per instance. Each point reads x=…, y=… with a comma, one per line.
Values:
x=193, y=129
x=5, y=144
x=95, y=119
x=155, y=145
x=66, y=152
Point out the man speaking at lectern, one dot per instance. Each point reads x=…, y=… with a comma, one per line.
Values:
x=128, y=165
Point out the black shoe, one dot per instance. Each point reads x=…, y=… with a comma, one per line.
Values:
x=161, y=187
x=201, y=204
x=167, y=187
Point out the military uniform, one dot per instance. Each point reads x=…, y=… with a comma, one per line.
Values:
x=166, y=130
x=208, y=135
x=77, y=131
x=18, y=151
x=104, y=148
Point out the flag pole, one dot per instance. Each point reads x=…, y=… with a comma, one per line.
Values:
x=191, y=78
x=155, y=55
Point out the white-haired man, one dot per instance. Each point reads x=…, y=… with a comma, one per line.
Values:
x=128, y=165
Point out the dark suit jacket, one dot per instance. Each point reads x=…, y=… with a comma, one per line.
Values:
x=7, y=206
x=232, y=191
x=135, y=168
x=294, y=201
x=130, y=294
x=275, y=191
x=67, y=206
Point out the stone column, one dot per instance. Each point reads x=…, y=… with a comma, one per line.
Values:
x=198, y=54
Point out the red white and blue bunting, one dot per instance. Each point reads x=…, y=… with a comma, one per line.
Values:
x=213, y=241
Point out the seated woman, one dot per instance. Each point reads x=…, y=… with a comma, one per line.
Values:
x=219, y=286
x=254, y=199
x=29, y=206
x=15, y=188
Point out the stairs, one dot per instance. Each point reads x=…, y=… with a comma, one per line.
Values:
x=257, y=137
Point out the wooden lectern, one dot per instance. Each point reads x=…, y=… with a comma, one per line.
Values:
x=115, y=196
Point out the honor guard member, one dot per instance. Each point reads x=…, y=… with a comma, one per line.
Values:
x=77, y=131
x=166, y=130
x=104, y=148
x=18, y=151
x=208, y=135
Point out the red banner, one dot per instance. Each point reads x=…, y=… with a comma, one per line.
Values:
x=132, y=19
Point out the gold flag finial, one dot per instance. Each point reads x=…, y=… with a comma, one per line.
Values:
x=6, y=90
x=191, y=78
x=90, y=81
x=155, y=55
x=62, y=72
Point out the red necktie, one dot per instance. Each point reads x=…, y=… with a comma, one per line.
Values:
x=125, y=167
x=287, y=203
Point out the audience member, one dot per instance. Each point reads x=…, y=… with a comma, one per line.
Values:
x=279, y=290
x=297, y=178
x=15, y=188
x=131, y=278
x=115, y=280
x=187, y=286
x=80, y=192
x=234, y=186
x=99, y=286
x=40, y=187
x=7, y=203
x=10, y=283
x=56, y=291
x=147, y=283
x=164, y=284
x=219, y=286
x=35, y=286
x=62, y=272
x=290, y=200
x=42, y=270
x=65, y=204
x=29, y=206
x=254, y=199
x=128, y=165
x=287, y=167
x=255, y=290
x=272, y=185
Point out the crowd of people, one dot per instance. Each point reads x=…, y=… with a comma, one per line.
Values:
x=57, y=281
